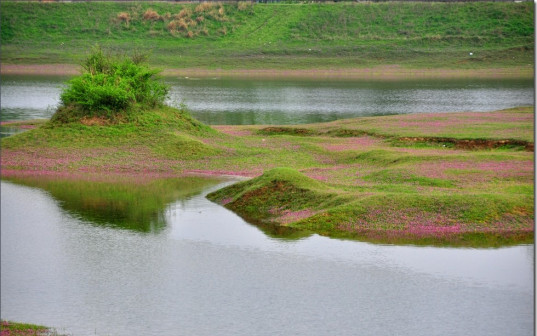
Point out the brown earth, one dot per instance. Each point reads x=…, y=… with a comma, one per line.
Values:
x=386, y=72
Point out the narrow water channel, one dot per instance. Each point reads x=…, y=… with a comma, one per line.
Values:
x=207, y=272
x=245, y=102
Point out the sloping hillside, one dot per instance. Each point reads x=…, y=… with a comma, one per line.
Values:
x=245, y=35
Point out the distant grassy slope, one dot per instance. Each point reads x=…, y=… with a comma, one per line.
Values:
x=275, y=35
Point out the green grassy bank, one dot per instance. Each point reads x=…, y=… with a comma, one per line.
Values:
x=276, y=36
x=10, y=328
x=362, y=178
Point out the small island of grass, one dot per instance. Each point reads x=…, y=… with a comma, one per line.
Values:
x=440, y=179
x=10, y=328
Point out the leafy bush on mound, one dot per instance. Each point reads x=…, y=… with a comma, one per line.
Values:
x=111, y=87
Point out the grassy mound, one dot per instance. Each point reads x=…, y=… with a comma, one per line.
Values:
x=286, y=197
x=165, y=132
x=278, y=194
x=118, y=102
x=465, y=220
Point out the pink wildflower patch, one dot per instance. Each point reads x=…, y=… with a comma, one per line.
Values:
x=430, y=124
x=27, y=126
x=346, y=144
x=433, y=230
x=410, y=220
x=294, y=216
x=477, y=171
x=226, y=200
x=289, y=216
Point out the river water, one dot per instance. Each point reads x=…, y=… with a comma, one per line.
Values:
x=246, y=102
x=208, y=272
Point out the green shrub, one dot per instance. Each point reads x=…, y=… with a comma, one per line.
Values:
x=111, y=87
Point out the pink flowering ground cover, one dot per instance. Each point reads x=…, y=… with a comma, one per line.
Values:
x=9, y=328
x=473, y=172
x=516, y=123
x=286, y=216
x=354, y=143
x=355, y=170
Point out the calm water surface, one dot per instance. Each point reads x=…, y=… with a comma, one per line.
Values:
x=186, y=266
x=207, y=272
x=240, y=102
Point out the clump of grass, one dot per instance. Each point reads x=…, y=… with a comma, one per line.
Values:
x=203, y=7
x=185, y=12
x=110, y=87
x=177, y=25
x=218, y=14
x=190, y=22
x=244, y=5
x=151, y=15
x=166, y=17
x=124, y=17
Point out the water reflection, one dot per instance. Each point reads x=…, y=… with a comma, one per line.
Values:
x=226, y=101
x=6, y=131
x=207, y=267
x=251, y=101
x=127, y=204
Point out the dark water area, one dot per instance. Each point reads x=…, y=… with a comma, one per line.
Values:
x=204, y=271
x=248, y=101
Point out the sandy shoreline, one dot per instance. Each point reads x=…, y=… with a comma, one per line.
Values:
x=387, y=72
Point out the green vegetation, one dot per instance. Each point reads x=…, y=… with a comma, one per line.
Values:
x=508, y=127
x=276, y=36
x=110, y=88
x=164, y=132
x=277, y=190
x=128, y=202
x=288, y=197
x=350, y=178
x=390, y=179
x=10, y=328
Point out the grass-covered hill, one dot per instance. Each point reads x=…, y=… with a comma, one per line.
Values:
x=246, y=35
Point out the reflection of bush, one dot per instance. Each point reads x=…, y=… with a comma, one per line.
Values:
x=134, y=206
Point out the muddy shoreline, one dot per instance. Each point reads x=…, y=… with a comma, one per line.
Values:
x=386, y=72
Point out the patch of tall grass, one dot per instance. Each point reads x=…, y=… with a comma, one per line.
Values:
x=110, y=87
